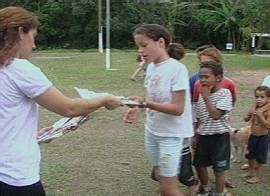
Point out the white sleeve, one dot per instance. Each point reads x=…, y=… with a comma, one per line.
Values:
x=225, y=101
x=180, y=80
x=29, y=78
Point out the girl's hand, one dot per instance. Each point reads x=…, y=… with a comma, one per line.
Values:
x=132, y=115
x=136, y=98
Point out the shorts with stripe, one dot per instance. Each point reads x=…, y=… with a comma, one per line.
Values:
x=213, y=150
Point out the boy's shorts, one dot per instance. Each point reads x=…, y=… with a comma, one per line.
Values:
x=257, y=148
x=213, y=150
x=164, y=152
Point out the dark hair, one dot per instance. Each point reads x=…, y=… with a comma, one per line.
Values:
x=216, y=69
x=263, y=88
x=201, y=48
x=11, y=18
x=155, y=32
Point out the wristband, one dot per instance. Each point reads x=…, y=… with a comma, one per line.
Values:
x=143, y=105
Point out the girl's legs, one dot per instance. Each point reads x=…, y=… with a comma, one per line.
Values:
x=168, y=186
x=164, y=154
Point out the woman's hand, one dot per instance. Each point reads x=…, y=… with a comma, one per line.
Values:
x=111, y=103
x=138, y=99
x=43, y=130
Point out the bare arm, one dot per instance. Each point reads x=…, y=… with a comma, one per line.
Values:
x=266, y=107
x=248, y=117
x=175, y=108
x=57, y=102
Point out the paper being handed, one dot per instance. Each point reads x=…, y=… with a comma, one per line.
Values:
x=86, y=94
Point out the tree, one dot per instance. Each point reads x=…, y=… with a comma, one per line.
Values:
x=221, y=15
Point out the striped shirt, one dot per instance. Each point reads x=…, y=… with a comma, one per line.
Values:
x=222, y=100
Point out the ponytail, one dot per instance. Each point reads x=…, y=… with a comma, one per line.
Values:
x=176, y=51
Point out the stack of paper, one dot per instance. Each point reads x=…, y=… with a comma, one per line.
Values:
x=65, y=125
x=61, y=127
x=86, y=94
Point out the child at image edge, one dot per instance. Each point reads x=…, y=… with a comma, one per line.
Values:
x=258, y=141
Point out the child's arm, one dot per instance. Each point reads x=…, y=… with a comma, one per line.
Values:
x=248, y=116
x=175, y=108
x=213, y=111
x=264, y=119
x=266, y=107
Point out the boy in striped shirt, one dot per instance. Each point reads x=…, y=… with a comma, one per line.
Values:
x=212, y=113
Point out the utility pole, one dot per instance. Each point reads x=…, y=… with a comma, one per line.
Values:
x=108, y=52
x=100, y=34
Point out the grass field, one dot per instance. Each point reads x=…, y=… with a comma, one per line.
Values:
x=106, y=156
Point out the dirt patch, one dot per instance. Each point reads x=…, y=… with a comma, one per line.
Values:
x=249, y=78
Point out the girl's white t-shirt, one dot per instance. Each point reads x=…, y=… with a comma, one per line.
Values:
x=161, y=81
x=20, y=83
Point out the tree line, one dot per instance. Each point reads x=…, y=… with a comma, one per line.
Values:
x=74, y=23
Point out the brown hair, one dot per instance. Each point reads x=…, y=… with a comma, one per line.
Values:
x=212, y=53
x=201, y=48
x=155, y=32
x=11, y=18
x=176, y=51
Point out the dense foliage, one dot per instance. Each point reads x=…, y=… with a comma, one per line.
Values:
x=74, y=23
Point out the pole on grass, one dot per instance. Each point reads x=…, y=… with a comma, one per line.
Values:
x=100, y=36
x=108, y=52
x=253, y=47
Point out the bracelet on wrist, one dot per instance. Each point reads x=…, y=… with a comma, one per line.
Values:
x=143, y=104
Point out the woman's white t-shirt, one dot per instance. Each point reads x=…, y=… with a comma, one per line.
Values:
x=161, y=81
x=20, y=83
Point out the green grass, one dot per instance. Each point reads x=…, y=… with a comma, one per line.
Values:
x=106, y=156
